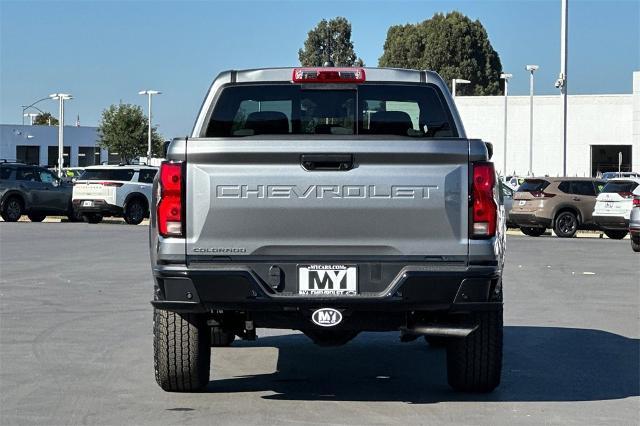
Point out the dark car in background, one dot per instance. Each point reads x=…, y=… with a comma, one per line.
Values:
x=563, y=204
x=34, y=191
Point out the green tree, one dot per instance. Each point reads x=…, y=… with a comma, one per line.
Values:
x=452, y=45
x=329, y=41
x=124, y=129
x=43, y=118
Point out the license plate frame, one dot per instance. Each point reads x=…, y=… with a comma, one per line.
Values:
x=327, y=280
x=87, y=203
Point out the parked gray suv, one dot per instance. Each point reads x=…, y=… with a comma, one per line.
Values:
x=331, y=201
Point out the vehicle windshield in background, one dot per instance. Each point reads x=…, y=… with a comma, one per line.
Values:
x=533, y=185
x=620, y=186
x=367, y=109
x=108, y=174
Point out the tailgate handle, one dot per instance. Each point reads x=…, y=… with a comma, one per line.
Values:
x=327, y=162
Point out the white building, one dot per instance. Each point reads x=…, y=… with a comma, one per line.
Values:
x=599, y=127
x=39, y=145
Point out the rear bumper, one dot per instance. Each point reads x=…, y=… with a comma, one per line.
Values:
x=611, y=222
x=529, y=219
x=99, y=206
x=414, y=289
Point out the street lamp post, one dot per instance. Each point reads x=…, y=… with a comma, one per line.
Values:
x=61, y=97
x=457, y=81
x=531, y=69
x=506, y=78
x=26, y=107
x=149, y=94
x=561, y=83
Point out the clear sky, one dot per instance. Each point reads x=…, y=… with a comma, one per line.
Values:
x=104, y=52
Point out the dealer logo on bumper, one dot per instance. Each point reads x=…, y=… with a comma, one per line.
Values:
x=326, y=317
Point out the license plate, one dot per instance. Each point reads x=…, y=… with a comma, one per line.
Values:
x=522, y=202
x=87, y=204
x=329, y=280
x=608, y=205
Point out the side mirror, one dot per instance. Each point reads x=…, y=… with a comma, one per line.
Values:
x=489, y=149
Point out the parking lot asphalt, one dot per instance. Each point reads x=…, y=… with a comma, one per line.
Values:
x=76, y=346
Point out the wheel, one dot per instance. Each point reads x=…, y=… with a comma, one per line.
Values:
x=220, y=338
x=74, y=216
x=531, y=231
x=36, y=217
x=135, y=211
x=12, y=209
x=635, y=244
x=616, y=235
x=566, y=225
x=330, y=338
x=474, y=363
x=93, y=217
x=181, y=351
x=437, y=341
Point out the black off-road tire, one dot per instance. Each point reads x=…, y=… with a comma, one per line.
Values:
x=135, y=211
x=566, y=224
x=221, y=338
x=12, y=209
x=635, y=244
x=532, y=231
x=474, y=363
x=92, y=217
x=181, y=349
x=616, y=234
x=437, y=341
x=36, y=217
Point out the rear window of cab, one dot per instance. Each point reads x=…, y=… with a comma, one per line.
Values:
x=411, y=110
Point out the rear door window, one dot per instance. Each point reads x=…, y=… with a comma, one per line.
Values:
x=582, y=187
x=146, y=175
x=120, y=174
x=27, y=174
x=532, y=185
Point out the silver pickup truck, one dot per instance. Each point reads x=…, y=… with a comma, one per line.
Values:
x=330, y=201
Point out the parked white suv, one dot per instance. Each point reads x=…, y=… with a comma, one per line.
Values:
x=123, y=191
x=613, y=206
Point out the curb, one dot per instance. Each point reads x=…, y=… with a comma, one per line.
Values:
x=579, y=234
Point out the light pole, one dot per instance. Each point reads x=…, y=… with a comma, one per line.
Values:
x=506, y=78
x=61, y=97
x=31, y=116
x=457, y=81
x=149, y=94
x=531, y=69
x=561, y=82
x=26, y=107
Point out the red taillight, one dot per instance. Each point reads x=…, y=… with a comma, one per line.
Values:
x=541, y=194
x=636, y=202
x=328, y=75
x=625, y=194
x=170, y=220
x=484, y=207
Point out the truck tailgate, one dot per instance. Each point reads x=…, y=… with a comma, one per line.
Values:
x=252, y=197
